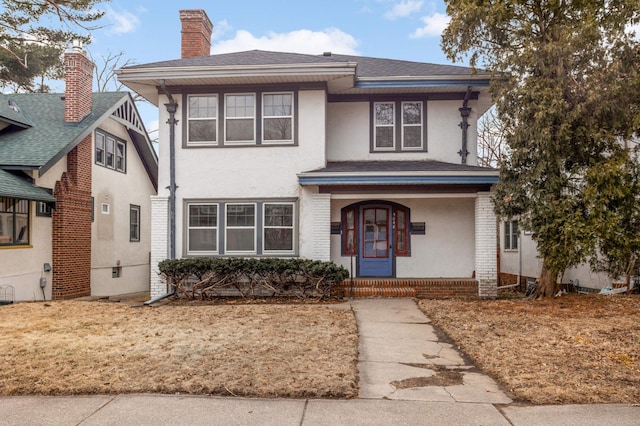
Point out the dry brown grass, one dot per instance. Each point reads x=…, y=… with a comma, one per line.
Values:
x=284, y=350
x=571, y=349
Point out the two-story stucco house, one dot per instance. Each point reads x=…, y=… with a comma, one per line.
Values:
x=77, y=171
x=370, y=163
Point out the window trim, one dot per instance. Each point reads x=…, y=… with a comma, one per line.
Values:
x=216, y=120
x=254, y=117
x=187, y=227
x=234, y=227
x=419, y=125
x=13, y=222
x=510, y=237
x=396, y=228
x=293, y=228
x=258, y=91
x=291, y=117
x=105, y=137
x=398, y=126
x=392, y=125
x=138, y=210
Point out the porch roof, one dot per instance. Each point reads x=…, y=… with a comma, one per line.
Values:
x=15, y=186
x=398, y=173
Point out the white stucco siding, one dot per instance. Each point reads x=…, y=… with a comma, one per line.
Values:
x=245, y=172
x=446, y=250
x=111, y=245
x=348, y=133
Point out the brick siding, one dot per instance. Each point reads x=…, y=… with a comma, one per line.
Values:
x=427, y=288
x=485, y=233
x=71, y=222
x=196, y=33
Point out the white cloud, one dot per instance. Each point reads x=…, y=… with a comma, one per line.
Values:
x=434, y=25
x=220, y=28
x=404, y=8
x=121, y=22
x=300, y=41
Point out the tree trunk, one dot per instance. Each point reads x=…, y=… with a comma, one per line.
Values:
x=546, y=283
x=628, y=272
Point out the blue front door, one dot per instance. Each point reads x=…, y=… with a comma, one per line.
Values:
x=375, y=254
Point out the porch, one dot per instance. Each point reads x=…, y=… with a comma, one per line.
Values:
x=409, y=287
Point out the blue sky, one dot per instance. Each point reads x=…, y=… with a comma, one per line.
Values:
x=149, y=30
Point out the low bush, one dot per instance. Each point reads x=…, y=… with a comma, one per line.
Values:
x=203, y=278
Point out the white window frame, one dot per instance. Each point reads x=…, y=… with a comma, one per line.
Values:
x=102, y=142
x=138, y=210
x=227, y=228
x=122, y=169
x=376, y=126
x=419, y=125
x=511, y=237
x=214, y=119
x=101, y=148
x=267, y=117
x=227, y=119
x=292, y=227
x=189, y=227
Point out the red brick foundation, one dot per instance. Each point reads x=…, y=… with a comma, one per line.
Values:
x=72, y=226
x=437, y=288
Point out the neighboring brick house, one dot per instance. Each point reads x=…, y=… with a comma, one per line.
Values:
x=367, y=162
x=77, y=171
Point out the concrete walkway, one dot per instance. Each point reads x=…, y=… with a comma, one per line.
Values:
x=408, y=376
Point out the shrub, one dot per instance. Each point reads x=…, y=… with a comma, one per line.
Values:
x=203, y=278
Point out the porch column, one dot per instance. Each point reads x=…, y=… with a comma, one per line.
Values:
x=486, y=257
x=321, y=227
x=159, y=242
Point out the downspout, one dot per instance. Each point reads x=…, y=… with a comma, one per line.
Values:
x=172, y=107
x=464, y=125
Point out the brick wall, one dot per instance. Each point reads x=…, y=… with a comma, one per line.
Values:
x=321, y=227
x=159, y=242
x=485, y=233
x=196, y=33
x=78, y=85
x=71, y=222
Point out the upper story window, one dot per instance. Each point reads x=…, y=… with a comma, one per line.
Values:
x=202, y=120
x=256, y=118
x=110, y=152
x=398, y=126
x=14, y=221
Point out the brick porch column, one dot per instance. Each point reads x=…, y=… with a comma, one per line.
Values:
x=322, y=227
x=159, y=242
x=486, y=263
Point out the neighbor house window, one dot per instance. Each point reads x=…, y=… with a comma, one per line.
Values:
x=277, y=117
x=240, y=228
x=202, y=119
x=110, y=152
x=278, y=228
x=398, y=126
x=511, y=235
x=202, y=228
x=14, y=221
x=240, y=114
x=134, y=223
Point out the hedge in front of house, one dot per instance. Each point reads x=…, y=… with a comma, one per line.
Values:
x=204, y=277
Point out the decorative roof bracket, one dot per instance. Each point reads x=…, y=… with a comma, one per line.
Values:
x=464, y=125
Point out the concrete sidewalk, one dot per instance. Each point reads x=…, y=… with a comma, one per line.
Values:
x=408, y=376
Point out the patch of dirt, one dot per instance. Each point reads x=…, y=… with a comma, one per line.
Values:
x=259, y=350
x=443, y=377
x=574, y=349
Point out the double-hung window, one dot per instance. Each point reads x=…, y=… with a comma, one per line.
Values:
x=110, y=152
x=240, y=228
x=511, y=232
x=246, y=228
x=202, y=120
x=398, y=126
x=134, y=223
x=277, y=117
x=202, y=228
x=240, y=118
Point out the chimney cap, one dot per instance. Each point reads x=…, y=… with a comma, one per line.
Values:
x=76, y=45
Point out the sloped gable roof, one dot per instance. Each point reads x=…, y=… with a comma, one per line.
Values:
x=49, y=138
x=13, y=186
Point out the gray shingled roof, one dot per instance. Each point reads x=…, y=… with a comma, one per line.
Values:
x=10, y=113
x=35, y=146
x=367, y=66
x=13, y=186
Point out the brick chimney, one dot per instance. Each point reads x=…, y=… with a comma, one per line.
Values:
x=79, y=84
x=196, y=33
